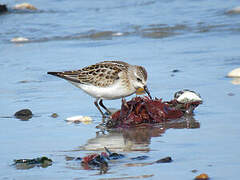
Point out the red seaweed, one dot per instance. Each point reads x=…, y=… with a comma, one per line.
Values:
x=142, y=110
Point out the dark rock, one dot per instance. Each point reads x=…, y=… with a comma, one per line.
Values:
x=3, y=8
x=194, y=171
x=164, y=160
x=24, y=114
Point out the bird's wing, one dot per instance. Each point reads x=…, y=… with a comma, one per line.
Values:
x=101, y=74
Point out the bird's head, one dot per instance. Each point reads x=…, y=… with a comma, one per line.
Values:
x=139, y=80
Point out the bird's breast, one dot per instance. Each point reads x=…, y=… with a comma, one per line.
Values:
x=115, y=91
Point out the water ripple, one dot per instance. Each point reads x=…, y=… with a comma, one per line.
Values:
x=153, y=31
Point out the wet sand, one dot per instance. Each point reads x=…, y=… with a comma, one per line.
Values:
x=197, y=38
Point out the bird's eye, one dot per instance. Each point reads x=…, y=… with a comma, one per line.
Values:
x=139, y=80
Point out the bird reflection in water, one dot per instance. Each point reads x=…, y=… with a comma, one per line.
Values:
x=137, y=138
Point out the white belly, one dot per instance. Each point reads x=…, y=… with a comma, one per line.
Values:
x=111, y=92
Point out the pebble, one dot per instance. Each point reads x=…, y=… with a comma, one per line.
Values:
x=202, y=177
x=24, y=114
x=194, y=171
x=235, y=73
x=164, y=160
x=54, y=115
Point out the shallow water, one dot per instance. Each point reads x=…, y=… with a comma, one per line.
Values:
x=199, y=38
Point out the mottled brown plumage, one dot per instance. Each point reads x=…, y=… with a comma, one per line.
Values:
x=102, y=74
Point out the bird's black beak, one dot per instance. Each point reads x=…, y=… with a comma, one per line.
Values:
x=147, y=91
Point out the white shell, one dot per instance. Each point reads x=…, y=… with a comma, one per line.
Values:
x=188, y=96
x=117, y=34
x=24, y=6
x=19, y=39
x=234, y=73
x=79, y=119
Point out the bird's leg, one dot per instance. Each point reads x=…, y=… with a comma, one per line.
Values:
x=104, y=107
x=96, y=104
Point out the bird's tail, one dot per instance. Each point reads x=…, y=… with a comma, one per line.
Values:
x=55, y=73
x=71, y=78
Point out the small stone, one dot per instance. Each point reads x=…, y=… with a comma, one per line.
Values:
x=24, y=81
x=54, y=115
x=24, y=114
x=194, y=170
x=202, y=177
x=164, y=160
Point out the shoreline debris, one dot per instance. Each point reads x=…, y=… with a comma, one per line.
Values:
x=100, y=161
x=146, y=111
x=30, y=163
